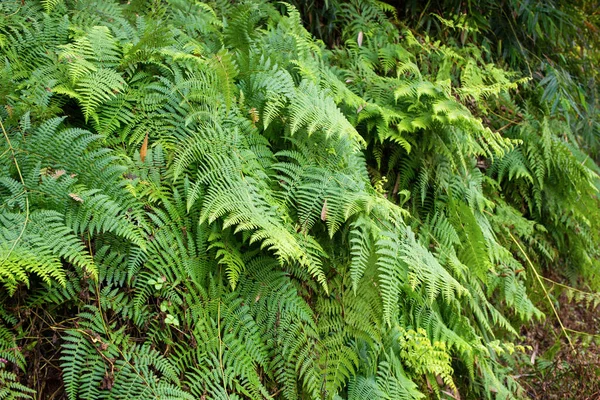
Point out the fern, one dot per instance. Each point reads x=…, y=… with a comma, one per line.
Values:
x=200, y=200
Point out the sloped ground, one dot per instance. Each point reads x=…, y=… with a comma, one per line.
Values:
x=558, y=371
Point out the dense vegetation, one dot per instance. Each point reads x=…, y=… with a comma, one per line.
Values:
x=256, y=199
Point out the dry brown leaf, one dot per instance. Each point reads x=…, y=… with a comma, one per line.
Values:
x=58, y=173
x=144, y=148
x=324, y=211
x=253, y=115
x=76, y=197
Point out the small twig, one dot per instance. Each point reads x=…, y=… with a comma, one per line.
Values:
x=535, y=351
x=570, y=287
x=583, y=333
x=539, y=279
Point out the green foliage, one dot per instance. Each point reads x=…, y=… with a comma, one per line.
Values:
x=10, y=387
x=208, y=203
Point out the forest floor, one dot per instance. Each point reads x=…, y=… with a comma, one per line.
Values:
x=552, y=368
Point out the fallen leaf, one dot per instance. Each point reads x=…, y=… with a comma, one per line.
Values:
x=76, y=197
x=324, y=211
x=144, y=148
x=58, y=173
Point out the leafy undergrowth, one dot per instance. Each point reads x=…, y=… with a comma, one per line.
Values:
x=553, y=369
x=201, y=200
